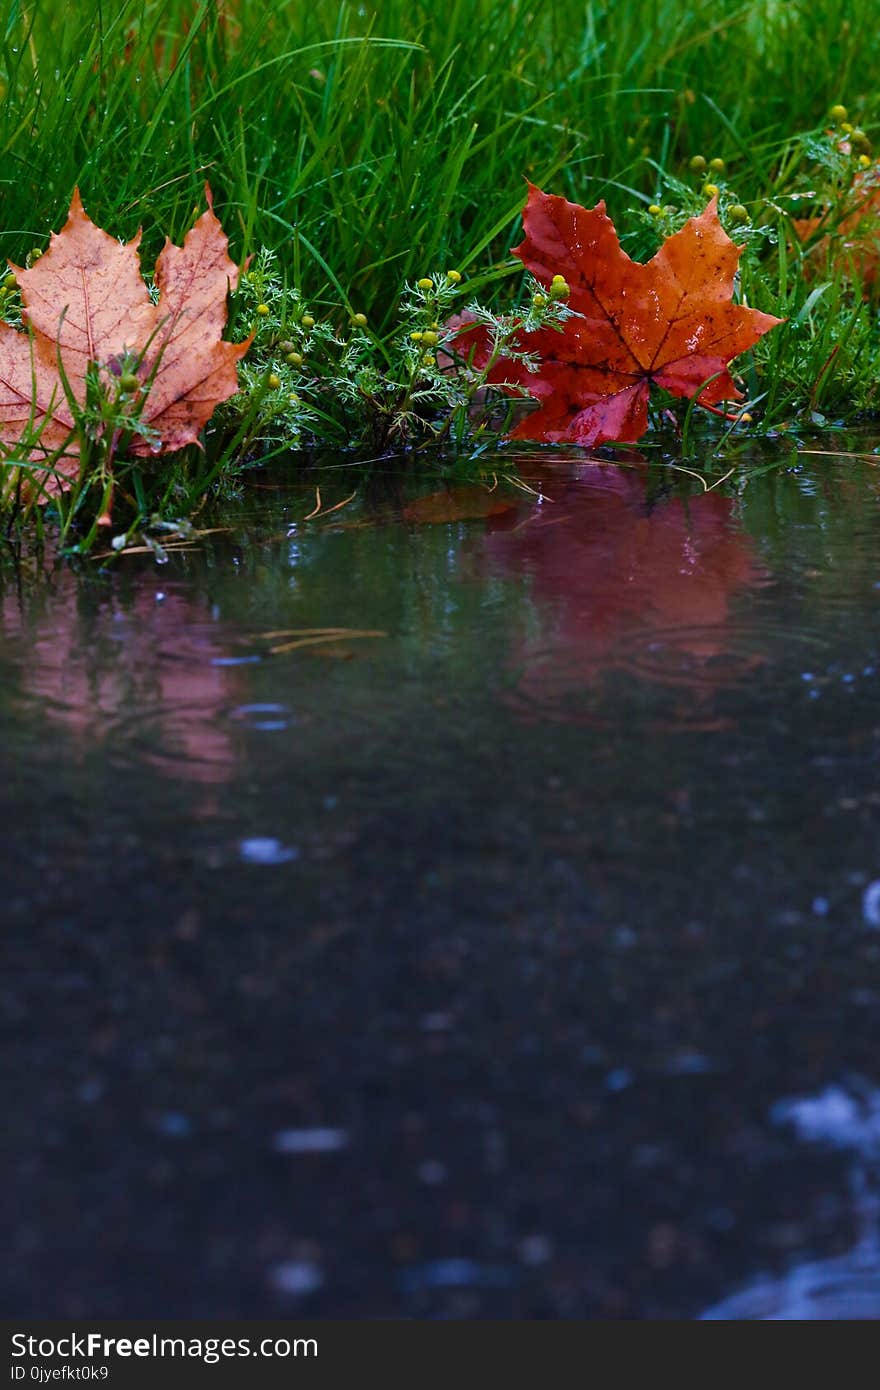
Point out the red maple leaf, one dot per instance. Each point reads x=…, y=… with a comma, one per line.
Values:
x=670, y=322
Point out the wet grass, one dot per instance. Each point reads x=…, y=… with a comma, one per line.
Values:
x=374, y=142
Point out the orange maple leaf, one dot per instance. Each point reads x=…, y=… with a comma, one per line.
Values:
x=86, y=305
x=670, y=322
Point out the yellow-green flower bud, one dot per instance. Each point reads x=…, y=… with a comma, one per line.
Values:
x=716, y=166
x=698, y=164
x=846, y=128
x=294, y=359
x=425, y=283
x=655, y=209
x=864, y=161
x=838, y=113
x=129, y=382
x=359, y=320
x=539, y=300
x=273, y=381
x=710, y=190
x=454, y=277
x=430, y=339
x=263, y=310
x=307, y=321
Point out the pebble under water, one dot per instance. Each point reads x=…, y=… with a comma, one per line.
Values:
x=513, y=951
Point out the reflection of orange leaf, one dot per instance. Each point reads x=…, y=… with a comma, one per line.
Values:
x=670, y=323
x=86, y=302
x=101, y=670
x=456, y=504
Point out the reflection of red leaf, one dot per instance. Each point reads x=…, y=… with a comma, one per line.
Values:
x=619, y=586
x=456, y=504
x=670, y=323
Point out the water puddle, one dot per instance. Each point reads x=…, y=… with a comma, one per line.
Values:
x=463, y=905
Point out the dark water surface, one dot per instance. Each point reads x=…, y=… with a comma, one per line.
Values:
x=521, y=962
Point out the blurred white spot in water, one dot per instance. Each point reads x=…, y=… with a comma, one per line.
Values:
x=174, y=1125
x=296, y=1277
x=535, y=1250
x=848, y=1286
x=619, y=1079
x=435, y=1022
x=625, y=938
x=688, y=1064
x=432, y=1173
x=835, y=1116
x=455, y=1273
x=266, y=851
x=266, y=718
x=820, y=1291
x=310, y=1141
x=871, y=904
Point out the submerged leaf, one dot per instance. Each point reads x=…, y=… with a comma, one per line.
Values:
x=456, y=504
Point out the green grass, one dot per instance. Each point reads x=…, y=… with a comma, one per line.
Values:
x=382, y=141
x=372, y=144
